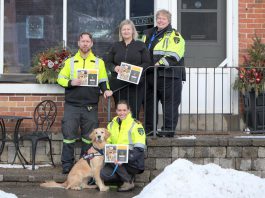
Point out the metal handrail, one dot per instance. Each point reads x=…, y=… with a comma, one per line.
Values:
x=209, y=104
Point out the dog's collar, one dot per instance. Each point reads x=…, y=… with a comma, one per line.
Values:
x=101, y=151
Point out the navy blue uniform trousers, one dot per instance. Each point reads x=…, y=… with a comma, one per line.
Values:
x=75, y=117
x=169, y=93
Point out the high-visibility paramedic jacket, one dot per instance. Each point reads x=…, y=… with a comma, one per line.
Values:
x=167, y=48
x=82, y=95
x=129, y=131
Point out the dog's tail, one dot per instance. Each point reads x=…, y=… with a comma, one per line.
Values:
x=53, y=184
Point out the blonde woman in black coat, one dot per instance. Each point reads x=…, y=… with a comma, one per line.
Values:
x=132, y=51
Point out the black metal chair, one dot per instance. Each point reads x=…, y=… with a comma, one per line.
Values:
x=44, y=117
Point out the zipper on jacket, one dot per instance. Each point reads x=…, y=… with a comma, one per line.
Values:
x=119, y=122
x=126, y=50
x=84, y=63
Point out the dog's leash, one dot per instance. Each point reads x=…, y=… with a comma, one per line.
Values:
x=114, y=170
x=89, y=156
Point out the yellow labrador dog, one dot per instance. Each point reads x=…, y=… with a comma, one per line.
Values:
x=78, y=177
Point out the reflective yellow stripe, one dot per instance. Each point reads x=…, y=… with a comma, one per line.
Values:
x=62, y=76
x=97, y=62
x=166, y=53
x=69, y=141
x=72, y=67
x=86, y=141
x=103, y=80
x=139, y=145
x=130, y=134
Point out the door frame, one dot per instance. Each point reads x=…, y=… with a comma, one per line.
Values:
x=231, y=59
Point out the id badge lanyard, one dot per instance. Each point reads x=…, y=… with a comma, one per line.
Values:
x=155, y=34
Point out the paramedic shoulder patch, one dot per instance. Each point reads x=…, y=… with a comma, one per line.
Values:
x=141, y=131
x=176, y=40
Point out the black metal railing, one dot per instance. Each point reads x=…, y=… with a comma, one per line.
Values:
x=209, y=103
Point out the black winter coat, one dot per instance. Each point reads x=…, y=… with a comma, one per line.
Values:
x=134, y=53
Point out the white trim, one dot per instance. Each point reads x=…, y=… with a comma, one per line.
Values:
x=65, y=22
x=2, y=16
x=27, y=89
x=127, y=9
x=234, y=45
x=174, y=23
x=235, y=34
x=173, y=9
x=232, y=33
x=223, y=63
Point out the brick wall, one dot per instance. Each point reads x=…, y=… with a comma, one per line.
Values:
x=251, y=22
x=24, y=104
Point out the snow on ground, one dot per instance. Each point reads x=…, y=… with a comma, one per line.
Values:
x=192, y=137
x=183, y=179
x=252, y=137
x=7, y=195
x=20, y=166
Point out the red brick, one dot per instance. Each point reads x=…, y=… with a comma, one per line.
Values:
x=53, y=98
x=32, y=98
x=22, y=114
x=25, y=104
x=254, y=26
x=8, y=104
x=3, y=98
x=2, y=109
x=17, y=109
x=16, y=98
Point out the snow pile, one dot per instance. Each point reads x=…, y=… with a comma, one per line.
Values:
x=183, y=179
x=7, y=195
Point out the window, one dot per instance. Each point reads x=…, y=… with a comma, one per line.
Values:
x=199, y=20
x=99, y=17
x=30, y=26
x=142, y=14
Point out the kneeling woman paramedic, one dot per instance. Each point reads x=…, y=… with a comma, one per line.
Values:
x=125, y=130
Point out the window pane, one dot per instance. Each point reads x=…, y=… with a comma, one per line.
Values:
x=203, y=4
x=99, y=17
x=142, y=14
x=30, y=26
x=199, y=26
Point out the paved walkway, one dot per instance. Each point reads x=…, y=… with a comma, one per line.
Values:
x=25, y=183
x=33, y=190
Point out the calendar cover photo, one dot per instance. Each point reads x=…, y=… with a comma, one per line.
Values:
x=130, y=73
x=88, y=77
x=116, y=153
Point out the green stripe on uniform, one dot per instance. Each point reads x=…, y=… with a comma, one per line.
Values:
x=86, y=141
x=69, y=141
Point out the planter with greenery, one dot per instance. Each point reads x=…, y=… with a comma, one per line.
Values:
x=47, y=64
x=251, y=84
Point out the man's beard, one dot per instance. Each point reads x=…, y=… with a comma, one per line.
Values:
x=84, y=51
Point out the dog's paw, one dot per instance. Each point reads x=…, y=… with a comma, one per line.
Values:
x=76, y=188
x=91, y=186
x=104, y=188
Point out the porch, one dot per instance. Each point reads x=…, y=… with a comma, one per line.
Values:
x=210, y=130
